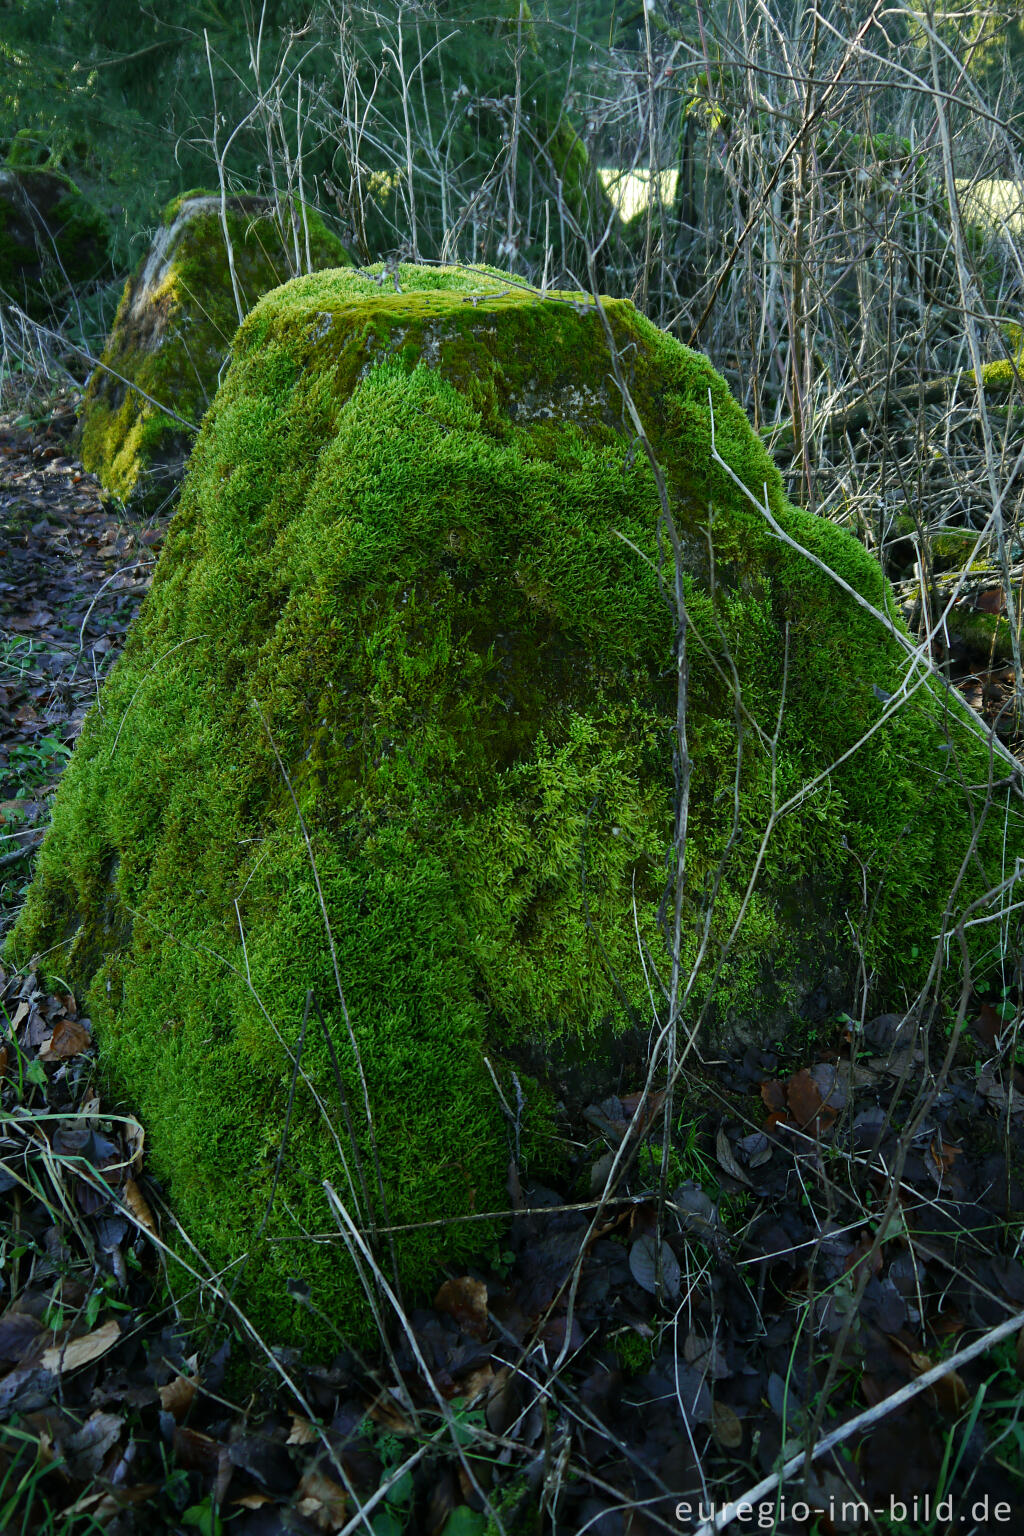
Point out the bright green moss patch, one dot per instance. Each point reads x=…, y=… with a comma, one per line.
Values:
x=398, y=598
x=173, y=329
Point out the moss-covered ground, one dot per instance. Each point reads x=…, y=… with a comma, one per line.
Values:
x=397, y=714
x=173, y=328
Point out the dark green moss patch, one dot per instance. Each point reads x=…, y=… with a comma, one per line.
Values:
x=398, y=598
x=52, y=238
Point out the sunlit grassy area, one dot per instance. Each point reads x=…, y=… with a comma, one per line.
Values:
x=998, y=201
x=630, y=191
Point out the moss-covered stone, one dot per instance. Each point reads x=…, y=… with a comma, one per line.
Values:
x=976, y=624
x=51, y=237
x=398, y=598
x=173, y=330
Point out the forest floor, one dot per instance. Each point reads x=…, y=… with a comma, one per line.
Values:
x=812, y=1260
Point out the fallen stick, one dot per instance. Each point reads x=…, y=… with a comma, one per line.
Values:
x=768, y=1485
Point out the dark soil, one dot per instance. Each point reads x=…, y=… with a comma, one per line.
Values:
x=72, y=573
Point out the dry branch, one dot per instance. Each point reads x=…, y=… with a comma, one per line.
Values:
x=998, y=382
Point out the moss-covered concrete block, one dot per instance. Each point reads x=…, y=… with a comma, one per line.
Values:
x=173, y=328
x=396, y=721
x=52, y=238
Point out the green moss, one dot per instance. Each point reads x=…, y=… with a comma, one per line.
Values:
x=580, y=190
x=30, y=150
x=52, y=238
x=951, y=548
x=988, y=634
x=1002, y=371
x=517, y=1507
x=399, y=589
x=634, y=1353
x=172, y=334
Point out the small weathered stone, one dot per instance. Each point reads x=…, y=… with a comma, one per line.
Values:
x=173, y=329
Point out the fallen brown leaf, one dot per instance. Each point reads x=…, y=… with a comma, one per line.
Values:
x=323, y=1501
x=726, y=1427
x=86, y=1449
x=177, y=1397
x=860, y=1255
x=139, y=1206
x=948, y=1324
x=25, y=623
x=991, y=600
x=988, y=1025
x=504, y=1399
x=67, y=1039
x=807, y=1108
x=385, y=1412
x=943, y=1154
x=441, y=1503
x=73, y=1353
x=102, y=1506
x=197, y=1452
x=20, y=1338
x=135, y=1139
x=465, y=1299
x=727, y=1158
x=477, y=1382
x=950, y=1392
x=706, y=1354
x=302, y=1431
x=773, y=1096
x=640, y=1124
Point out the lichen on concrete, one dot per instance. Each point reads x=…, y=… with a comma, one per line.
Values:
x=397, y=713
x=173, y=329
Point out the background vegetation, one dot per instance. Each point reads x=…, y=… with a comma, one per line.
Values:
x=821, y=196
x=826, y=198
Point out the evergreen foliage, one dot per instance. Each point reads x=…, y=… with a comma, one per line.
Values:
x=136, y=125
